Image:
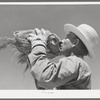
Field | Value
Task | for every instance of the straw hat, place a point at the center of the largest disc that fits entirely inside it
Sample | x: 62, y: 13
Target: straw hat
x: 86, y: 33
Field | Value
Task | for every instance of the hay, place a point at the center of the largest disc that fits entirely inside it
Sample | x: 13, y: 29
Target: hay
x: 23, y: 46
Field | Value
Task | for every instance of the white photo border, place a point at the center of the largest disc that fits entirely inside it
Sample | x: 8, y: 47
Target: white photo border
x: 40, y: 94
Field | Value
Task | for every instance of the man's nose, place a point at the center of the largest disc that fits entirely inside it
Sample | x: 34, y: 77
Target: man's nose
x: 63, y: 40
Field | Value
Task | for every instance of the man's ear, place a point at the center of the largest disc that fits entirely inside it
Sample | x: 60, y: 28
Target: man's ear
x: 75, y: 42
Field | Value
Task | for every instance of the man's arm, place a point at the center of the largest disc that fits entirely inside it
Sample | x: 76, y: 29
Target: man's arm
x: 48, y: 72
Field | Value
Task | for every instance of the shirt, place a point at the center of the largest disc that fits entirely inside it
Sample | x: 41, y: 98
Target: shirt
x: 69, y: 73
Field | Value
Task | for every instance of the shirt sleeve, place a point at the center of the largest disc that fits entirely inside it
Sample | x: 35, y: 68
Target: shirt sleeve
x: 47, y: 72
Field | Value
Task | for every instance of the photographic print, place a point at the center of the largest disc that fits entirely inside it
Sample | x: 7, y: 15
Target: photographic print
x: 49, y: 47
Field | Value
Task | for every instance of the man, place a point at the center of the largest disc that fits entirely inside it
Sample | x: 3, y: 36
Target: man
x: 71, y: 72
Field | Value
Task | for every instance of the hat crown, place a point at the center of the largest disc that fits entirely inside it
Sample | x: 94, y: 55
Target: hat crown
x: 89, y: 33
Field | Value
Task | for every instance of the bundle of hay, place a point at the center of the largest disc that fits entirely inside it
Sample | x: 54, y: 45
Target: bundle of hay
x: 23, y: 45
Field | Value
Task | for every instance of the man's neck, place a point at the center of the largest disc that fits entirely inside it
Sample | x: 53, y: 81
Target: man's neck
x: 82, y: 57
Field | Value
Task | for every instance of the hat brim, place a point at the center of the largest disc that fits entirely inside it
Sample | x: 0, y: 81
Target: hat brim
x: 71, y: 28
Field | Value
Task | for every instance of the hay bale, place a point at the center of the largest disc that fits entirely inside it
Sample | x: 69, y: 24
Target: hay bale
x: 24, y: 46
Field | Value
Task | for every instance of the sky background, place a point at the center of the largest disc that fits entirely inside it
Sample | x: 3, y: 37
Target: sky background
x: 51, y: 17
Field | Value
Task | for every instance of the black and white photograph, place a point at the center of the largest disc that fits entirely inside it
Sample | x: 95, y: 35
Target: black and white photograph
x: 49, y: 47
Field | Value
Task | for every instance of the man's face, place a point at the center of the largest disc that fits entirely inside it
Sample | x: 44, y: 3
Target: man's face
x: 66, y: 44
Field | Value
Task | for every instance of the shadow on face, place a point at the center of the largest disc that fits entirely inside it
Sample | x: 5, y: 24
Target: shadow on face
x: 67, y: 44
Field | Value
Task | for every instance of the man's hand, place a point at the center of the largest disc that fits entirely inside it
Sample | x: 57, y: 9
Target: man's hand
x: 46, y: 38
x: 43, y: 34
x: 39, y: 35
